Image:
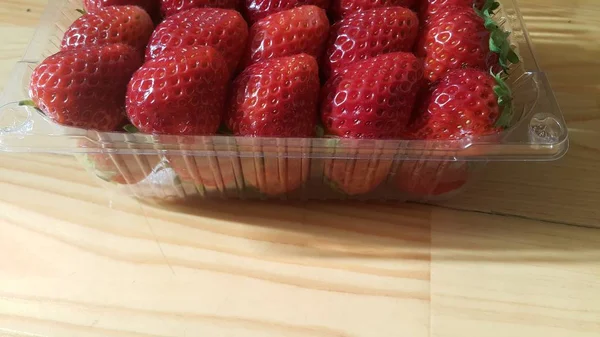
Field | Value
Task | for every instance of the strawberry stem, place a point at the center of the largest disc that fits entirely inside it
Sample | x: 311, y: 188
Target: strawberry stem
x: 81, y: 11
x: 499, y: 42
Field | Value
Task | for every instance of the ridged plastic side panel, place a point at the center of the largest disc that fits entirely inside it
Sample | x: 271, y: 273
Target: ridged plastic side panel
x: 187, y: 176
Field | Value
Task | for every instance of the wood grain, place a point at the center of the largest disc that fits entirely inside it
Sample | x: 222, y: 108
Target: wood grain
x: 80, y: 260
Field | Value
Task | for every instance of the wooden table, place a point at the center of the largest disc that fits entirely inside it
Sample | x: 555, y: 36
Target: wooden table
x: 525, y: 262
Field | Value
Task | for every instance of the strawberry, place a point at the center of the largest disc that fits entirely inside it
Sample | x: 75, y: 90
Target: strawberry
x: 170, y: 7
x: 223, y: 29
x: 208, y: 173
x: 429, y: 8
x: 370, y: 33
x: 299, y: 30
x: 123, y: 169
x: 181, y: 92
x: 276, y: 98
x: 422, y: 179
x: 85, y: 87
x: 258, y: 9
x: 459, y: 37
x: 129, y: 25
x: 275, y: 175
x: 152, y: 7
x: 373, y: 98
x: 465, y: 103
x: 341, y: 8
x: 356, y: 176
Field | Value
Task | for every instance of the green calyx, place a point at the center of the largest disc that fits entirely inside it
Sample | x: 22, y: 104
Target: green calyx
x: 499, y: 42
x: 504, y: 101
x: 31, y: 104
x: 81, y: 11
x: 130, y: 128
x: 27, y: 102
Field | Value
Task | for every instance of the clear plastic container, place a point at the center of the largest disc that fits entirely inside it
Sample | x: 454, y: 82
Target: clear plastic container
x: 178, y: 168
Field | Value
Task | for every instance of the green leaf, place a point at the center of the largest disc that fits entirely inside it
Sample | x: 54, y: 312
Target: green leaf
x: 130, y: 128
x: 479, y: 12
x: 499, y: 91
x: 505, y: 118
x: 504, y: 101
x: 488, y: 4
x: 499, y: 42
x: 498, y: 38
x: 513, y: 57
x: 494, y: 47
x: 490, y: 24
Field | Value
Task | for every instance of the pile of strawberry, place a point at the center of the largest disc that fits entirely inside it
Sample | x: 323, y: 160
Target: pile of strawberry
x: 384, y: 69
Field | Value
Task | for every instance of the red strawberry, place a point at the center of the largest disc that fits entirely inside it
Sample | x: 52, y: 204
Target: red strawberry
x: 276, y: 98
x: 258, y: 9
x: 223, y: 29
x: 373, y: 98
x: 429, y: 8
x: 458, y: 37
x: 465, y: 103
x: 423, y: 179
x: 85, y: 87
x: 370, y: 33
x: 181, y: 92
x: 121, y: 169
x: 170, y: 7
x: 209, y: 174
x: 150, y: 6
x: 129, y: 25
x: 275, y: 175
x: 357, y: 176
x: 341, y: 8
x: 302, y: 29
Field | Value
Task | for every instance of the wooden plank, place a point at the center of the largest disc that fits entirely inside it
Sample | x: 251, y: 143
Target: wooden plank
x: 89, y: 263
